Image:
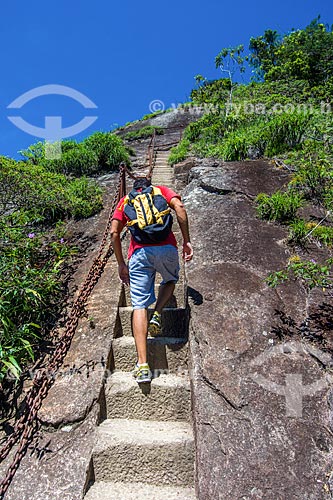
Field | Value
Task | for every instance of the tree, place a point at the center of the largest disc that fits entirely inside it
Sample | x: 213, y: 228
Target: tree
x: 263, y: 52
x: 300, y: 55
x: 229, y: 60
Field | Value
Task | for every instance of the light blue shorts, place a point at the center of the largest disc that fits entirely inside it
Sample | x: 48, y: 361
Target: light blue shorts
x: 143, y: 265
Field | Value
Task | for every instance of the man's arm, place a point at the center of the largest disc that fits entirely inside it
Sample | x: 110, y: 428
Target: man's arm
x: 116, y: 229
x: 182, y: 219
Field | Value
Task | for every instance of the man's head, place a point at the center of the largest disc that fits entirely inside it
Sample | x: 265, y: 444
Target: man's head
x: 141, y: 183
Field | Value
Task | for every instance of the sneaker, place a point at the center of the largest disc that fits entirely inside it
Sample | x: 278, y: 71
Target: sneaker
x: 142, y: 373
x: 154, y: 327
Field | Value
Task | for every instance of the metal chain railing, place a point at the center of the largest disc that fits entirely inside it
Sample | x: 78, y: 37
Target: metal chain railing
x: 25, y: 426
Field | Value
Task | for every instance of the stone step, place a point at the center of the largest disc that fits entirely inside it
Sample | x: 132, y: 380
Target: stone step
x: 165, y: 355
x: 105, y: 490
x: 162, y: 170
x: 162, y: 180
x: 163, y: 175
x: 174, y: 321
x: 168, y: 397
x: 160, y: 453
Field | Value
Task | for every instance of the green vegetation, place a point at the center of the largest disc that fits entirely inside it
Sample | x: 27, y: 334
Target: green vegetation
x: 144, y: 133
x: 152, y: 115
x: 300, y: 55
x: 31, y: 268
x: 280, y: 206
x: 288, y: 104
x: 100, y: 152
x: 35, y: 254
x: 300, y: 230
x: 285, y: 112
x: 310, y: 272
x: 258, y: 124
x: 179, y: 153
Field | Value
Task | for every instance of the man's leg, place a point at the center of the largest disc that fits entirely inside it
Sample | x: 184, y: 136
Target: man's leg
x: 167, y: 264
x: 164, y: 294
x: 140, y: 329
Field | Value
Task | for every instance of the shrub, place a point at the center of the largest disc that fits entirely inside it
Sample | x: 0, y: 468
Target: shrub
x: 30, y: 287
x: 279, y: 206
x: 85, y: 198
x: 108, y: 148
x: 328, y: 200
x: 45, y: 196
x: 144, y: 133
x: 285, y: 131
x: 298, y: 231
x: 314, y: 179
x: 99, y: 152
x: 210, y: 126
x: 32, y: 261
x: 76, y: 159
x: 214, y: 91
x: 152, y: 115
x: 323, y: 234
x: 180, y: 152
x: 311, y: 273
x: 239, y: 136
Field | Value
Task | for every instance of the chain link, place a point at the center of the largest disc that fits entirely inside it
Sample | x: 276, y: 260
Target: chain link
x: 44, y: 378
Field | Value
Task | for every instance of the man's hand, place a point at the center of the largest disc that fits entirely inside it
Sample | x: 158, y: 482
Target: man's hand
x: 187, y: 251
x: 123, y: 274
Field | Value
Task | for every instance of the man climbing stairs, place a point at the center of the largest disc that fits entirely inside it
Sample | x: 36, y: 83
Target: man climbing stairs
x: 145, y: 444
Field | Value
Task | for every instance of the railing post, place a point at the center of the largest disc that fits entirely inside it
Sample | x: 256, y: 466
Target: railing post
x: 122, y: 187
x: 151, y: 153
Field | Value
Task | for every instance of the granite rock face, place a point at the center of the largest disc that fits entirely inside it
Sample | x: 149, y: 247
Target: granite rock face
x: 260, y: 393
x: 57, y: 464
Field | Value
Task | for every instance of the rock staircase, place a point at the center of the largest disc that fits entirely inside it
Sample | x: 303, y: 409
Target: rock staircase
x: 145, y: 445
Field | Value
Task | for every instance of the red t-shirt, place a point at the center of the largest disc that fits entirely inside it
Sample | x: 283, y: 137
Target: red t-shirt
x: 120, y: 215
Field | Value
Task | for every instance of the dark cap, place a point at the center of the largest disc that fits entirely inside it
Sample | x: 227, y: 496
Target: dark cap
x: 142, y: 182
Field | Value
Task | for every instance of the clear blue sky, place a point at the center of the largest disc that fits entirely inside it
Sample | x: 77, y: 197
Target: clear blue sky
x: 123, y: 55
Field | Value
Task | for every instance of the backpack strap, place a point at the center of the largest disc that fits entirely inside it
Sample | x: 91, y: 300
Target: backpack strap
x: 158, y: 221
